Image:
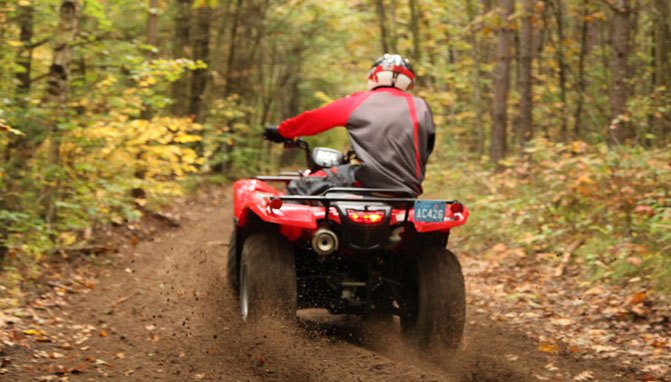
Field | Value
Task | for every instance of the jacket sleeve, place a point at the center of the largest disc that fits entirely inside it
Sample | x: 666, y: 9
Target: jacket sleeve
x: 319, y: 120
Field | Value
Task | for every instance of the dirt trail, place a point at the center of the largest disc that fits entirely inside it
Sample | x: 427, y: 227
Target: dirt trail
x: 162, y: 312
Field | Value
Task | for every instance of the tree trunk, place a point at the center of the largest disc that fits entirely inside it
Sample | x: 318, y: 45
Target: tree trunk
x: 152, y: 27
x: 525, y: 127
x: 497, y: 149
x: 181, y: 48
x: 577, y: 117
x: 558, y: 8
x: 393, y: 44
x: 201, y: 51
x: 58, y: 86
x: 662, y: 75
x: 382, y: 20
x: 414, y: 28
x: 152, y: 39
x: 215, y: 86
x: 477, y: 82
x: 25, y: 57
x: 231, y: 75
x: 620, y: 71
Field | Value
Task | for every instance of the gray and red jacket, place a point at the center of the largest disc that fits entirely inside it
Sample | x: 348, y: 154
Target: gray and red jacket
x: 391, y: 131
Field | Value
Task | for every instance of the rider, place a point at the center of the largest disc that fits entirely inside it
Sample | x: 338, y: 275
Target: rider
x: 391, y: 132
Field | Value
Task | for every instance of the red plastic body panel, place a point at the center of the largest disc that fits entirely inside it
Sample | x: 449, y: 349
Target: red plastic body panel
x: 251, y: 196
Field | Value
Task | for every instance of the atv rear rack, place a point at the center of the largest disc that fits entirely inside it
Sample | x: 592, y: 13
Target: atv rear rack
x: 277, y: 178
x: 326, y: 200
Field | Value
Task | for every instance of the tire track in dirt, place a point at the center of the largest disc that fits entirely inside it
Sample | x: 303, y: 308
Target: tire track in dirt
x: 168, y: 315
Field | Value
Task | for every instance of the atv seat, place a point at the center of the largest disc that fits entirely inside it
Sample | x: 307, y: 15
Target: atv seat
x: 376, y: 192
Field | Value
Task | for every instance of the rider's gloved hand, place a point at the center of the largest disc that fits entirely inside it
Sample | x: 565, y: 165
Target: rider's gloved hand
x: 272, y: 134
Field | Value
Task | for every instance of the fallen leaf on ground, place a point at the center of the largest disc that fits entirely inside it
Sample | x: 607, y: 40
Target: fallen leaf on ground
x: 636, y: 298
x: 584, y: 376
x: 102, y: 362
x: 634, y: 260
x: 550, y: 366
x: 549, y: 347
x: 602, y: 349
x: 562, y: 321
x: 512, y: 357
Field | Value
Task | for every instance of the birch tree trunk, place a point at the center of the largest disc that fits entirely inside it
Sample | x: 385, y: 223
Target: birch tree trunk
x: 58, y: 86
x: 497, y: 148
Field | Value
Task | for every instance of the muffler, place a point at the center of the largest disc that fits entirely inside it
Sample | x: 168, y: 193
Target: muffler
x: 324, y: 242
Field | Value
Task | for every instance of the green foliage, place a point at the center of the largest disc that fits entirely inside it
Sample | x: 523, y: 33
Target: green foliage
x: 609, y: 208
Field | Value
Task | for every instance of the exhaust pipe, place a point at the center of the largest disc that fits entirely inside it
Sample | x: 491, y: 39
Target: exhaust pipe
x: 324, y: 242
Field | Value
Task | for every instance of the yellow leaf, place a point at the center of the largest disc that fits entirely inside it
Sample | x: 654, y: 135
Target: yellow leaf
x: 30, y: 332
x: 186, y: 138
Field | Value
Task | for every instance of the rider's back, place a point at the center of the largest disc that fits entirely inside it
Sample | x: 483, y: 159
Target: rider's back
x: 391, y: 132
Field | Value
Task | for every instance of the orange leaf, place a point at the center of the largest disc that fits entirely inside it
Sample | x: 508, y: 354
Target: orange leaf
x: 549, y: 347
x: 636, y: 298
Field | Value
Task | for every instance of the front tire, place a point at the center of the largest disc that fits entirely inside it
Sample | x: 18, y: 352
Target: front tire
x: 434, y: 300
x: 267, y: 277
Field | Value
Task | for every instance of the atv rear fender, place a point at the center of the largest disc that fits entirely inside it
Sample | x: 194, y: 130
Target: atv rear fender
x: 253, y: 196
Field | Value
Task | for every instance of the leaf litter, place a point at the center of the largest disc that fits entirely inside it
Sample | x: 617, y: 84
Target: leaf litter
x: 569, y: 315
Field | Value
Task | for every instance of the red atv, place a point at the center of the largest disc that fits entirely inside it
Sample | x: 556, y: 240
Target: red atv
x: 371, y: 252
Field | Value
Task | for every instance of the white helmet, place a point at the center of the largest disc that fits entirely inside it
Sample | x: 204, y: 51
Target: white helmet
x: 391, y: 70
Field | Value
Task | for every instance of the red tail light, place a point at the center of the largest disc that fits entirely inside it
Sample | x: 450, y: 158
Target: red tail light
x: 457, y: 208
x: 275, y: 203
x: 365, y: 217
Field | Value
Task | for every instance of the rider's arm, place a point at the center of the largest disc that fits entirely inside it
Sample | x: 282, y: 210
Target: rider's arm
x: 319, y: 120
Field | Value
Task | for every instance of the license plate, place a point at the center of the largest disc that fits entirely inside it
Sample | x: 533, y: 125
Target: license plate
x: 429, y: 211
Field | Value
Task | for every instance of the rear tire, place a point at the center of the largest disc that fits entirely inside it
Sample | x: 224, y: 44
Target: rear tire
x: 232, y: 268
x: 434, y: 300
x: 267, y: 277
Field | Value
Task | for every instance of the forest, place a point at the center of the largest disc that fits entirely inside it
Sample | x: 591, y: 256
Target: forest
x: 123, y: 124
x: 553, y: 116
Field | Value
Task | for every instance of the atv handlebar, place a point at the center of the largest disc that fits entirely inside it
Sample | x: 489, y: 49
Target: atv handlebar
x: 297, y: 144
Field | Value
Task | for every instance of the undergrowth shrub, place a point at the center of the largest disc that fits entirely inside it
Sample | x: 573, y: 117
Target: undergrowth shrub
x: 607, y: 207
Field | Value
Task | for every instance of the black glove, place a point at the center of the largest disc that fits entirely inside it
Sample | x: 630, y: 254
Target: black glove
x: 272, y: 134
